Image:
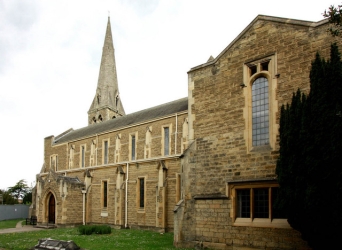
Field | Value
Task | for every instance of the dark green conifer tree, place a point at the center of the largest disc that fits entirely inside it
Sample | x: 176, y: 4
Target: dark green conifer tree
x: 309, y: 167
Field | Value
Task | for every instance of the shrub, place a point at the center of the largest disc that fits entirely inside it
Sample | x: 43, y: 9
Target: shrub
x: 97, y: 229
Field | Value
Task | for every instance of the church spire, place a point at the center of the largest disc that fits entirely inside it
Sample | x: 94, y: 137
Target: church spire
x: 107, y: 103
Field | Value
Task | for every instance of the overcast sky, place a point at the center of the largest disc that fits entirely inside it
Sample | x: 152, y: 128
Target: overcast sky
x: 50, y: 54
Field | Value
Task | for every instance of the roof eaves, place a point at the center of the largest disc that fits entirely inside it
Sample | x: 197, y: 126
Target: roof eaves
x: 131, y: 121
x: 63, y: 134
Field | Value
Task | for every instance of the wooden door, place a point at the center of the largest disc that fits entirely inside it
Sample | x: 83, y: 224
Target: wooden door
x: 52, y: 209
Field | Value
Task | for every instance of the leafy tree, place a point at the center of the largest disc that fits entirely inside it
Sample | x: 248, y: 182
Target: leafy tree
x: 309, y: 165
x: 28, y: 197
x: 8, y: 198
x: 335, y: 18
x: 19, y: 189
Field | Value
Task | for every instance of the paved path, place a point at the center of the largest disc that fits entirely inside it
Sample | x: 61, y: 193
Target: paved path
x: 20, y: 228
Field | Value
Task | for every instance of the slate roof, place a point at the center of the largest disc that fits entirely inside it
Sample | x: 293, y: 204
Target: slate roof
x: 127, y: 120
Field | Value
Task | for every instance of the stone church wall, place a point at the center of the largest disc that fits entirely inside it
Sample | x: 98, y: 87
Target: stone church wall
x: 160, y: 173
x: 223, y: 155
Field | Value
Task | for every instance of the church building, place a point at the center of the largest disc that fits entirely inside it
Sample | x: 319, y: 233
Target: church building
x: 229, y: 178
x: 202, y: 166
x: 122, y: 170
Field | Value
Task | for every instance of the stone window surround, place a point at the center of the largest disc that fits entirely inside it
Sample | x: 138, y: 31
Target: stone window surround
x: 103, y: 150
x: 271, y: 75
x: 54, y: 157
x: 140, y: 209
x: 104, y: 208
x: 117, y: 152
x: 130, y: 145
x: 85, y: 149
x: 148, y: 142
x: 92, y: 157
x: 71, y: 156
x: 232, y: 188
x: 163, y: 138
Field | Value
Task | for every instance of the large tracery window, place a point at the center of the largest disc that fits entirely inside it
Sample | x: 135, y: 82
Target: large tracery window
x: 260, y: 77
x: 260, y: 112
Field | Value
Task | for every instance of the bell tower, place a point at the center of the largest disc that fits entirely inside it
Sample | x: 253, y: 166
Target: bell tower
x: 106, y: 104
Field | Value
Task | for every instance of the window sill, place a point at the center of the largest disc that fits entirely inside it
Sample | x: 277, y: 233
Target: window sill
x: 104, y: 214
x: 262, y: 148
x: 141, y: 210
x: 259, y: 222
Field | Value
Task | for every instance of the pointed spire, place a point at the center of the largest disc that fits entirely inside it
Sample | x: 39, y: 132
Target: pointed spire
x: 106, y: 104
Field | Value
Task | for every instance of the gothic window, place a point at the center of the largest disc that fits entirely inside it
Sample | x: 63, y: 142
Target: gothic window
x: 92, y: 153
x: 166, y: 140
x: 100, y: 118
x: 82, y: 155
x: 117, y: 148
x: 104, y: 194
x: 260, y: 112
x: 148, y: 142
x: 141, y: 193
x: 133, y: 147
x: 105, y: 152
x: 71, y: 156
x: 54, y: 162
x: 260, y: 78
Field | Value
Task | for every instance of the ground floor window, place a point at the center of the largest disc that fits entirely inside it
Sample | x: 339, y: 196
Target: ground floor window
x: 257, y: 203
x: 254, y: 204
x: 141, y: 193
x: 104, y: 194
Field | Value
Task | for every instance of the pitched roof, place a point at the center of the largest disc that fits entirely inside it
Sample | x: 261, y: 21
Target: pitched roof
x: 127, y: 120
x: 287, y: 21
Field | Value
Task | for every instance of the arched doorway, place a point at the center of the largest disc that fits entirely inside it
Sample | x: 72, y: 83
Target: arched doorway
x: 52, y: 209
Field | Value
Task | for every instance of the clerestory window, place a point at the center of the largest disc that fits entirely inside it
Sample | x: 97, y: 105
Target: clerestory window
x: 105, y: 152
x: 166, y: 140
x: 133, y: 147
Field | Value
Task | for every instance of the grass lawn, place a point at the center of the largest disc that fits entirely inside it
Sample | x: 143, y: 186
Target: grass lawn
x: 118, y: 239
x: 9, y: 223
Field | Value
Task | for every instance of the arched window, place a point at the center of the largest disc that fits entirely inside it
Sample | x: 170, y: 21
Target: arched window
x: 260, y: 112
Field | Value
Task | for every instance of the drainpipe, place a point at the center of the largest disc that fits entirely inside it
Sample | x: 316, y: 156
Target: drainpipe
x: 176, y: 134
x: 126, y: 198
x: 84, y: 193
